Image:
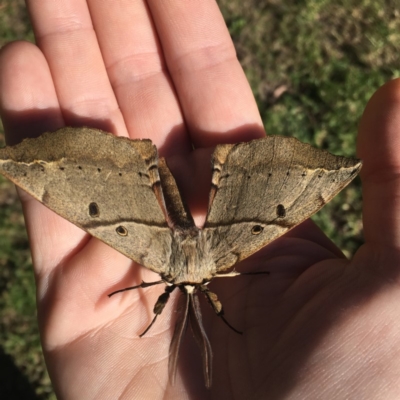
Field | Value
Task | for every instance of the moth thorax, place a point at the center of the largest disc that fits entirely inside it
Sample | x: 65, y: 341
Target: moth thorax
x: 192, y: 261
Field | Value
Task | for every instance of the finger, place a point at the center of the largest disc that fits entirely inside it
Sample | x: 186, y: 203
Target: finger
x: 28, y: 101
x: 64, y: 32
x: 215, y: 96
x: 378, y: 147
x: 28, y: 107
x: 136, y: 69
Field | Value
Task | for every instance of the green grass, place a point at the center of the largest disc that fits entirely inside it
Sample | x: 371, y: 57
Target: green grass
x: 312, y: 64
x: 14, y: 22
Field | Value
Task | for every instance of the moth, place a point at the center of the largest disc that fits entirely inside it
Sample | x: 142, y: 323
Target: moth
x: 260, y: 190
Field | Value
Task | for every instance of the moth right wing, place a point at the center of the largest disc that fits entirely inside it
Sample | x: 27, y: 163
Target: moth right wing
x: 263, y: 188
x: 106, y: 185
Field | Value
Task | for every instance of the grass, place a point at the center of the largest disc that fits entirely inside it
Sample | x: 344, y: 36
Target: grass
x: 312, y: 64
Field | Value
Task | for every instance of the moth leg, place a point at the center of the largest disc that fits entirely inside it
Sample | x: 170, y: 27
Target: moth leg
x: 217, y: 306
x: 159, y: 306
x: 231, y: 274
x: 256, y: 273
x: 142, y: 285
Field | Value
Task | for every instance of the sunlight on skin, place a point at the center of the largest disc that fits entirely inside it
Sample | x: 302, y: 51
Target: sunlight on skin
x: 321, y: 325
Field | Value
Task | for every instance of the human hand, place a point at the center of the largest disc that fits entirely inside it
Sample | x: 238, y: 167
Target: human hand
x: 186, y: 90
x: 118, y: 77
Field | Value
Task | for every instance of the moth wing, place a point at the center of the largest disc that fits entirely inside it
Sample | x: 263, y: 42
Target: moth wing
x: 263, y: 188
x: 108, y: 186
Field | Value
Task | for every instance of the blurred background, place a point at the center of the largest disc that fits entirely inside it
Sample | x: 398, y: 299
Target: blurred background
x: 312, y: 64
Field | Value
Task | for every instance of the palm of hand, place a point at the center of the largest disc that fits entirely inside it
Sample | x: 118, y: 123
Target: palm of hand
x: 308, y: 315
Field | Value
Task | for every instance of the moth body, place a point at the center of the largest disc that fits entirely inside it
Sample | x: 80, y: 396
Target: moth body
x: 191, y: 260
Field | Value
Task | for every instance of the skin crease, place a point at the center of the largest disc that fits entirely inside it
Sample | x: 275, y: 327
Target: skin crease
x: 319, y: 326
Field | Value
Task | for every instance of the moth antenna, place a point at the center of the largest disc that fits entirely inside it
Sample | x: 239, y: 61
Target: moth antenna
x: 159, y: 306
x: 142, y: 285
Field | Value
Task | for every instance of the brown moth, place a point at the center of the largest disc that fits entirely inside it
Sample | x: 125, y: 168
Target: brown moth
x: 260, y: 190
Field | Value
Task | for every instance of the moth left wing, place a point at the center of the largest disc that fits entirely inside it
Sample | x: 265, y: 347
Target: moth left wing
x: 263, y: 188
x: 108, y: 186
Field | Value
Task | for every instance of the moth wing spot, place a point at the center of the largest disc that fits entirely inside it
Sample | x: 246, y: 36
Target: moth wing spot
x: 280, y: 211
x: 153, y: 167
x: 121, y: 230
x: 142, y: 175
x: 94, y: 210
x: 256, y: 229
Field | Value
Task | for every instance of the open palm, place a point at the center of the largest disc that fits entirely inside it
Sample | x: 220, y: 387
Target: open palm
x: 318, y: 327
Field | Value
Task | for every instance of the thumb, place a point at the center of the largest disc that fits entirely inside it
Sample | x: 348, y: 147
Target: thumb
x: 379, y: 148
